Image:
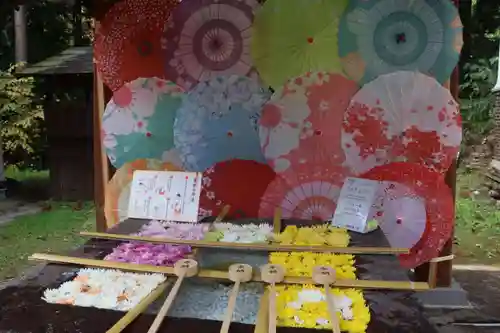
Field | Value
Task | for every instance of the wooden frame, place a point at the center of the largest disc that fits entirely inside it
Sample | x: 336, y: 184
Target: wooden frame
x: 443, y: 270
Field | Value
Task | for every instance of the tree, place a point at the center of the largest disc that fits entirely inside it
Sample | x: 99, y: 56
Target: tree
x: 20, y: 115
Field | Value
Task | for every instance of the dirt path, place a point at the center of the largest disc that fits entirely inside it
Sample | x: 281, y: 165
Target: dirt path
x: 10, y: 209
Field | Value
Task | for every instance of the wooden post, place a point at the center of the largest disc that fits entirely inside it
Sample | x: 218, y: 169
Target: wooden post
x: 101, y: 170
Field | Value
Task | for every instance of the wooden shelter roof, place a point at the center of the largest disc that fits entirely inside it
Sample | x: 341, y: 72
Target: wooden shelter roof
x: 75, y: 60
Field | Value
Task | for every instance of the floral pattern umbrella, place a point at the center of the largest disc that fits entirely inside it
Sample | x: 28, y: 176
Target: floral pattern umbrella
x: 294, y: 37
x: 138, y: 121
x: 118, y: 189
x: 306, y: 191
x: 405, y: 117
x: 218, y: 122
x: 237, y: 183
x: 380, y: 37
x: 439, y: 207
x: 209, y: 38
x: 128, y: 41
x: 303, y: 120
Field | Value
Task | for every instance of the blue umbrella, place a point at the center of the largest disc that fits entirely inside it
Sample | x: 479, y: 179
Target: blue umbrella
x: 218, y: 121
x: 381, y: 37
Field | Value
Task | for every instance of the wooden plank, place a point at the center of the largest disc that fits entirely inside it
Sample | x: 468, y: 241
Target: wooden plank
x: 250, y: 247
x: 101, y: 175
x: 224, y: 275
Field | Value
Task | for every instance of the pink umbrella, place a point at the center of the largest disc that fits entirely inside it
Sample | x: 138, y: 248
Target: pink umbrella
x: 401, y: 214
x: 208, y: 38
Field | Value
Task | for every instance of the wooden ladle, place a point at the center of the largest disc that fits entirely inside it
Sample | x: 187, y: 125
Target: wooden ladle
x: 238, y: 273
x: 182, y: 268
x: 272, y: 274
x: 326, y: 276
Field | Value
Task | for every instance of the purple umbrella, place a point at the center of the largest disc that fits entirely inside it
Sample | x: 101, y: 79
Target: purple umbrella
x: 209, y: 38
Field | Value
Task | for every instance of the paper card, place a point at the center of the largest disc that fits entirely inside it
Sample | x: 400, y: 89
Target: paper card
x: 354, y: 204
x: 165, y: 195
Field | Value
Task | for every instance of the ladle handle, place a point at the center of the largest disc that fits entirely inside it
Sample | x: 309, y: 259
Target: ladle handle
x: 272, y: 309
x: 166, y: 306
x: 331, y: 309
x: 230, y: 308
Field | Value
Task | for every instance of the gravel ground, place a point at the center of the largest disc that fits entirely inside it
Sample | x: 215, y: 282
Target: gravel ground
x: 203, y: 299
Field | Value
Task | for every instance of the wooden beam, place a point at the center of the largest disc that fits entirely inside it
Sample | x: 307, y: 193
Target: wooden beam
x: 101, y: 171
x: 223, y: 275
x: 265, y: 247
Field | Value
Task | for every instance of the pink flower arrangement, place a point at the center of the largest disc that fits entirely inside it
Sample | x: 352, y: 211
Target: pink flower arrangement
x: 158, y: 254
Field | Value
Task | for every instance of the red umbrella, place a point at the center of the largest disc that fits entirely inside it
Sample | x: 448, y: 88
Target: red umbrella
x: 430, y: 186
x: 306, y: 191
x: 402, y: 117
x: 128, y: 43
x: 304, y: 118
x: 238, y: 183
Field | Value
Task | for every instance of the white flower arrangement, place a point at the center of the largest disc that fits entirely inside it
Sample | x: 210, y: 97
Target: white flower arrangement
x: 104, y: 289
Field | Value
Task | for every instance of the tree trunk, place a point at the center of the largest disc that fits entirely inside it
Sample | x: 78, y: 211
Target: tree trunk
x: 496, y: 117
x: 496, y: 130
x: 20, y: 34
x: 2, y: 173
x: 465, y: 9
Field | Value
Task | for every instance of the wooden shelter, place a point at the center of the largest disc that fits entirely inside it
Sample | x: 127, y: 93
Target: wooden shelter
x: 68, y: 120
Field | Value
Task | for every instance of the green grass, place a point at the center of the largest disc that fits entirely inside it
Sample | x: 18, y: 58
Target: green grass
x: 477, y: 231
x: 55, y: 230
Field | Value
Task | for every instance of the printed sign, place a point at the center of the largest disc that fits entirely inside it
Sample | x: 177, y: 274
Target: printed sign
x: 165, y: 195
x: 354, y: 204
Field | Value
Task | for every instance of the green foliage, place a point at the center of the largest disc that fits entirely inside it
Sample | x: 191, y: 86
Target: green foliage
x: 20, y: 115
x: 477, y: 101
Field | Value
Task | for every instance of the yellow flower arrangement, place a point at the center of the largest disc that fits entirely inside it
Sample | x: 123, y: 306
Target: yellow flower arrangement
x: 302, y: 263
x: 316, y: 235
x: 305, y: 306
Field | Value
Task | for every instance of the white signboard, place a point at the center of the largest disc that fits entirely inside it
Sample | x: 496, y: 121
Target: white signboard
x: 354, y: 204
x: 165, y: 195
